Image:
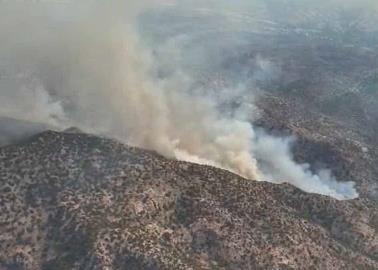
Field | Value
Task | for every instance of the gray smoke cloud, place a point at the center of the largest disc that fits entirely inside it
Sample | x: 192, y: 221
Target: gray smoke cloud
x: 107, y: 68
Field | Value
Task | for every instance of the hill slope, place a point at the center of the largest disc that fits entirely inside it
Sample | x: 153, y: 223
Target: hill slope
x: 76, y: 201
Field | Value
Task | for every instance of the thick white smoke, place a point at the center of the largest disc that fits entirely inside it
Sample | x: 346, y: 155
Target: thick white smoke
x: 87, y: 65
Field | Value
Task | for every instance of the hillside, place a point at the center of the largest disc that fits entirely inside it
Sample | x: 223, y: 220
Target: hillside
x: 77, y: 201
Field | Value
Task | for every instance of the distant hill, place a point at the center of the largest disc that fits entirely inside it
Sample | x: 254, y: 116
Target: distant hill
x: 13, y: 130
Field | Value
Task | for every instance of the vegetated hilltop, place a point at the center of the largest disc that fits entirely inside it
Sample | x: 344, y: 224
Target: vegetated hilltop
x: 77, y: 201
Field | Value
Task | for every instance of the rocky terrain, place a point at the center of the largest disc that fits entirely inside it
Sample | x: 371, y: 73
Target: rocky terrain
x: 75, y: 201
x: 71, y: 200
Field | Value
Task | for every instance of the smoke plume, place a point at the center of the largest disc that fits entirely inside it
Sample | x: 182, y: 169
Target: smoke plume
x: 101, y: 66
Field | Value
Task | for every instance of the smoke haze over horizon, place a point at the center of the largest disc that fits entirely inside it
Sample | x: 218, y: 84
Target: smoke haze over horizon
x: 110, y: 68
